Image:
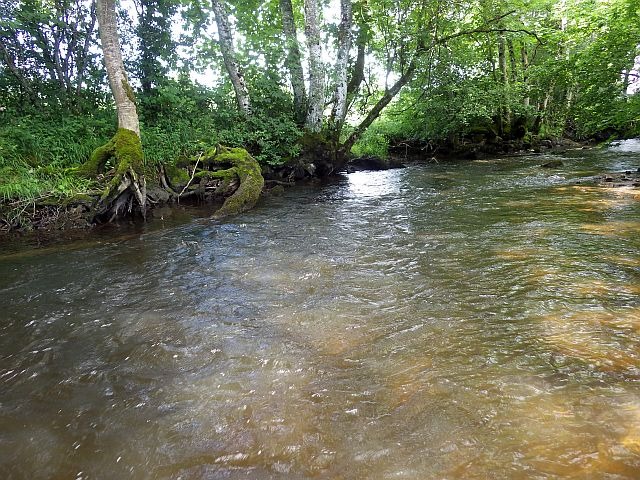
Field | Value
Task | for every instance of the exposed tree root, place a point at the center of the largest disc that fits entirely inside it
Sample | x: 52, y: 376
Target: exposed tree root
x: 218, y: 172
x: 244, y: 168
x: 128, y: 182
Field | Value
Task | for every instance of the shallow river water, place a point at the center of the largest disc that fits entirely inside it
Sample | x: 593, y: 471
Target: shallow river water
x: 473, y: 320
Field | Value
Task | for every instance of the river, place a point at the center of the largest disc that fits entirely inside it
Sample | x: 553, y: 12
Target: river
x: 462, y: 320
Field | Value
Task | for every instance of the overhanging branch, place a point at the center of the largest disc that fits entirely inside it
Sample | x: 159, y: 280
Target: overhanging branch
x: 406, y: 77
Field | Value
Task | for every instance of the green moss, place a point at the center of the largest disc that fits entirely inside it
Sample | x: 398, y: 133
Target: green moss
x: 128, y: 90
x: 226, y: 174
x: 80, y: 198
x: 125, y: 146
x: 313, y: 140
x: 97, y: 161
x: 208, y: 158
x: 51, y: 201
x: 244, y: 164
x: 183, y: 162
x: 248, y: 171
x: 128, y: 151
x: 177, y: 177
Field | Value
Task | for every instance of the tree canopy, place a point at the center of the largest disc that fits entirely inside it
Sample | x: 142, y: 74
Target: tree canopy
x: 275, y: 76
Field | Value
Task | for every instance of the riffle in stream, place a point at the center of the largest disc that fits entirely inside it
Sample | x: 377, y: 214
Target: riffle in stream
x: 466, y: 320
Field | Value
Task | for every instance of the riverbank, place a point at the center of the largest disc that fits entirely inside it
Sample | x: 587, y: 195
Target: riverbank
x: 227, y: 177
x: 196, y: 183
x: 482, y: 146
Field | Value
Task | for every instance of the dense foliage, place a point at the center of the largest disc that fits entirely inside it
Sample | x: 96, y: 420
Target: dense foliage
x: 423, y: 71
x: 556, y: 70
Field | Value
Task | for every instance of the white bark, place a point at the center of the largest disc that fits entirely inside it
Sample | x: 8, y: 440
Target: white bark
x: 293, y: 61
x: 225, y: 37
x: 122, y: 93
x: 339, y: 110
x: 316, y: 72
x: 505, y: 112
x: 125, y: 107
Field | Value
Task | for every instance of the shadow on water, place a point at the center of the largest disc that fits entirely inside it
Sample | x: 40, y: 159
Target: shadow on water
x: 466, y: 320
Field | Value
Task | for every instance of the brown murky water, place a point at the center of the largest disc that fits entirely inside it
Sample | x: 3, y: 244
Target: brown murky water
x: 456, y: 321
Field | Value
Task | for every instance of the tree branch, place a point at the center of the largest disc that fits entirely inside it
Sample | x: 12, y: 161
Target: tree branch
x: 406, y: 77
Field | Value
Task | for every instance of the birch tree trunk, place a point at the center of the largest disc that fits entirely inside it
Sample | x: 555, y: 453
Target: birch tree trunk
x: 128, y: 182
x: 505, y: 113
x: 513, y: 66
x: 525, y: 76
x: 339, y: 110
x: 542, y: 108
x: 122, y: 92
x: 229, y: 56
x: 374, y: 113
x: 358, y: 69
x: 293, y: 61
x: 313, y: 122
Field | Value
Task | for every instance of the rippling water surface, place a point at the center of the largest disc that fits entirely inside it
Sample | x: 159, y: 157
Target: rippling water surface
x: 475, y: 320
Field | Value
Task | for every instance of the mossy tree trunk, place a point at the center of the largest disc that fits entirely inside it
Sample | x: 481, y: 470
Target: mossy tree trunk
x: 128, y: 182
x: 505, y: 112
x: 125, y: 147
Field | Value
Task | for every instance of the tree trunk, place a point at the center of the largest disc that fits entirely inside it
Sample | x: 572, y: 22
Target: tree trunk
x: 513, y: 66
x: 246, y: 169
x: 339, y: 110
x: 389, y: 94
x: 11, y: 65
x: 357, y: 75
x: 525, y: 77
x: 505, y: 114
x: 229, y: 56
x: 626, y: 81
x: 542, y: 110
x: 315, y: 110
x: 568, y: 103
x: 293, y: 61
x: 122, y: 92
x: 126, y: 147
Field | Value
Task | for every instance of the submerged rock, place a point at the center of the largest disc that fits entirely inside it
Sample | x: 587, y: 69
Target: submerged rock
x: 553, y: 164
x: 277, y: 191
x: 627, y: 178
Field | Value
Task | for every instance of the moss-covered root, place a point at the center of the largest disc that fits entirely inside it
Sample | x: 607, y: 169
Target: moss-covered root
x: 248, y: 171
x: 126, y: 148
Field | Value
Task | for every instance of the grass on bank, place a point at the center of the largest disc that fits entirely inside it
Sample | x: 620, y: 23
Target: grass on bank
x: 37, y: 153
x: 21, y: 182
x: 39, y: 149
